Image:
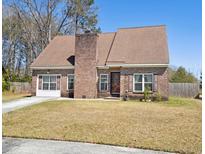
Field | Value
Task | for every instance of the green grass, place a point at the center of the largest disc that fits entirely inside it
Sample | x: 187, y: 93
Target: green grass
x: 173, y: 126
x: 9, y: 96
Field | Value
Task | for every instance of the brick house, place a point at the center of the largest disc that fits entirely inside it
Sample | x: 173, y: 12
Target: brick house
x: 94, y: 65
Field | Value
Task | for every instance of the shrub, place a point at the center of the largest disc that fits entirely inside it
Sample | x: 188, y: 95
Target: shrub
x: 13, y: 89
x: 5, y: 85
x: 125, y: 96
x: 158, y: 97
x: 26, y: 78
x: 146, y: 94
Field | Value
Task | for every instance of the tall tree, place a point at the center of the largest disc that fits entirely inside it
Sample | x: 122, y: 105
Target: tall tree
x: 11, y: 29
x: 37, y: 22
x: 83, y: 15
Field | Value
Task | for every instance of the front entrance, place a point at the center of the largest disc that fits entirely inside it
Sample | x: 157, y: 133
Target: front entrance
x: 115, y: 84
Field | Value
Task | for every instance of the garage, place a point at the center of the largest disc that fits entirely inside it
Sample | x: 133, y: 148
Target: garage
x: 48, y: 85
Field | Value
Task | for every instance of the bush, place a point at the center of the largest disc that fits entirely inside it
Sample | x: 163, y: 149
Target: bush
x: 17, y: 78
x: 125, y: 96
x: 158, y: 97
x: 26, y: 78
x: 13, y: 89
x: 5, y: 85
x: 146, y: 94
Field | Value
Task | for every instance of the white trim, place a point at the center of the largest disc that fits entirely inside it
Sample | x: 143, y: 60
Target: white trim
x: 100, y: 82
x: 138, y: 91
x: 137, y: 65
x: 73, y: 81
x: 58, y: 67
x: 102, y: 67
x: 50, y: 74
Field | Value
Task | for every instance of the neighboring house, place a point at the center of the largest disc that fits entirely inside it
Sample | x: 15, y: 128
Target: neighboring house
x: 94, y: 65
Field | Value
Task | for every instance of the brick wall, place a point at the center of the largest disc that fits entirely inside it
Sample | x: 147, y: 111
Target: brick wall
x: 163, y: 83
x: 107, y: 93
x: 85, y: 66
x: 160, y: 81
x: 126, y: 81
x: 63, y: 79
x: 33, y: 85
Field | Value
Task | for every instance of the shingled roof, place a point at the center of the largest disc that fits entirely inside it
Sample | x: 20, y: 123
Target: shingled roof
x: 140, y: 45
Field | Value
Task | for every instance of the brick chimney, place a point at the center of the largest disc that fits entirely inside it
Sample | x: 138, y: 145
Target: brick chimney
x: 85, y: 66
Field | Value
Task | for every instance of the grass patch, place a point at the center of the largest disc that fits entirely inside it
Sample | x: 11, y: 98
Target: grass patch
x: 171, y: 126
x: 9, y: 96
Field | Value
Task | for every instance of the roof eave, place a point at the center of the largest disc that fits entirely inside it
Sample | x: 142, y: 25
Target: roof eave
x: 51, y: 67
x: 132, y: 65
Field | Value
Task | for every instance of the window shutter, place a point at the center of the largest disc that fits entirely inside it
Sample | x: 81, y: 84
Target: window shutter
x: 58, y: 82
x: 130, y: 81
x: 40, y: 82
x: 155, y: 82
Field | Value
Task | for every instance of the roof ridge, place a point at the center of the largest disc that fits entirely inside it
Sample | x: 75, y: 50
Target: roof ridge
x: 143, y: 26
x: 110, y: 47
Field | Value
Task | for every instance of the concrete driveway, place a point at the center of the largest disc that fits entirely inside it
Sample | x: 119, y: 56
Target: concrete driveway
x: 20, y: 103
x: 34, y: 146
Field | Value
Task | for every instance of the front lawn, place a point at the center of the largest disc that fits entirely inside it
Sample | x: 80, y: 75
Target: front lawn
x: 172, y: 126
x: 9, y: 96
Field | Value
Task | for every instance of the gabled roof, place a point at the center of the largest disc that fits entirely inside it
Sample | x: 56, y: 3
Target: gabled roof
x: 56, y: 53
x: 143, y: 45
x: 140, y: 45
x: 104, y: 44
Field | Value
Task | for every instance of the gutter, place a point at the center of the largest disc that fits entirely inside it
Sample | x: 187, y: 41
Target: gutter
x: 132, y: 65
x: 104, y: 66
x: 50, y: 67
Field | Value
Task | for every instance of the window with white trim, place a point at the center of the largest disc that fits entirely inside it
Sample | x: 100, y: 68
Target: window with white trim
x: 103, y: 82
x: 142, y: 81
x: 70, y: 85
x: 49, y: 82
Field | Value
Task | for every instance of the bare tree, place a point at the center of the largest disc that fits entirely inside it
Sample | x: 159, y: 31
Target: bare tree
x: 37, y: 22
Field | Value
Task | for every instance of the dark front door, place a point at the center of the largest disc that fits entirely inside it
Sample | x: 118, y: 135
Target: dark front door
x: 115, y: 84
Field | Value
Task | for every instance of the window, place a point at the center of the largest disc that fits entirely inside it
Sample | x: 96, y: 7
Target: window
x: 148, y: 81
x: 142, y: 81
x: 138, y: 82
x: 103, y: 82
x: 49, y: 82
x: 70, y: 82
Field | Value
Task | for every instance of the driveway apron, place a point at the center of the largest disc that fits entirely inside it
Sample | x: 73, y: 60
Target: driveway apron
x: 17, y: 104
x: 34, y: 146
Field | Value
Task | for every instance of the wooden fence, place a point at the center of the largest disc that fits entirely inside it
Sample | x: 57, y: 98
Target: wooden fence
x: 184, y: 89
x: 20, y: 87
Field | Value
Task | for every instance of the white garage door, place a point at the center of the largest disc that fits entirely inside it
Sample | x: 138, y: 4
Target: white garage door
x: 48, y: 85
